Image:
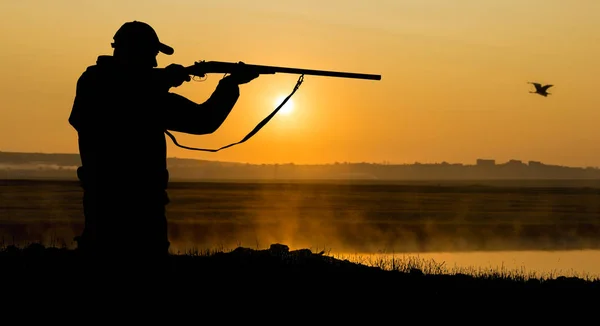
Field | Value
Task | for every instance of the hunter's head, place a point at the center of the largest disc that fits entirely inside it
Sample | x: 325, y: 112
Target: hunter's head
x: 136, y: 44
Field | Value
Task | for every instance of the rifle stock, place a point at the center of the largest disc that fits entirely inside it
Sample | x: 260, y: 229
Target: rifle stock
x: 201, y: 68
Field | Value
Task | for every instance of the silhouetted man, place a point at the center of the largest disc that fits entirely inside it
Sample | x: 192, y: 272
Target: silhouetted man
x: 121, y: 110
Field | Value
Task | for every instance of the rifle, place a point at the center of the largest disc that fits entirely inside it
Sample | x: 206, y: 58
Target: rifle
x: 201, y: 68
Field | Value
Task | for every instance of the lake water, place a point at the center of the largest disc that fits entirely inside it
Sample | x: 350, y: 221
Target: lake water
x: 584, y: 263
x: 548, y: 230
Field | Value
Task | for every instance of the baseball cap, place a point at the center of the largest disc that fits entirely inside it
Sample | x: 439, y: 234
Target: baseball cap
x: 141, y: 35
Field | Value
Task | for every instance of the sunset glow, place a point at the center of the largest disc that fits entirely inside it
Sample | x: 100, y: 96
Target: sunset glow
x: 454, y: 76
x: 288, y: 108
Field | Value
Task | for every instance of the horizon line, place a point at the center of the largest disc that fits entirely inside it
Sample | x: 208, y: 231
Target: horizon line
x: 385, y: 162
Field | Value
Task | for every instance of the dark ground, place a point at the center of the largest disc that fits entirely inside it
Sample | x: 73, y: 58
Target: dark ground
x: 278, y: 269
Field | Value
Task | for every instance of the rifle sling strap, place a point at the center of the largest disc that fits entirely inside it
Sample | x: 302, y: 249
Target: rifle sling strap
x: 254, y: 131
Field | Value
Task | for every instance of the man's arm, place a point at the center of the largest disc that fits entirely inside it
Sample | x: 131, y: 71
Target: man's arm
x: 184, y: 115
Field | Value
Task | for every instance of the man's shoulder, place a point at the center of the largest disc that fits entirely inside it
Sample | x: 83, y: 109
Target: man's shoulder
x: 89, y: 72
x: 95, y: 71
x: 103, y: 62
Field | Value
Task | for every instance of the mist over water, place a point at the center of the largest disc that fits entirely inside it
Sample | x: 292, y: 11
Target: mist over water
x: 472, y: 226
x: 363, y: 218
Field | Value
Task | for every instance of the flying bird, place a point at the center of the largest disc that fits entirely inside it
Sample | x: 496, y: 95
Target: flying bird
x: 542, y: 90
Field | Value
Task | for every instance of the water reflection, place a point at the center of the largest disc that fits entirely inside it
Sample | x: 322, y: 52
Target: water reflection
x: 580, y: 263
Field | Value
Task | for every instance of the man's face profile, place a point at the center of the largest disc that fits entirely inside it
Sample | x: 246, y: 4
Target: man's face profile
x: 138, y: 57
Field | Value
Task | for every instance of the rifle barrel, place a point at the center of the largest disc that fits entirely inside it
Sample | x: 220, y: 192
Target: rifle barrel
x: 227, y: 67
x: 313, y: 72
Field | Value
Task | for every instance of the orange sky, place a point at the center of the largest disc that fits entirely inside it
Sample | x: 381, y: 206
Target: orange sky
x: 454, y: 84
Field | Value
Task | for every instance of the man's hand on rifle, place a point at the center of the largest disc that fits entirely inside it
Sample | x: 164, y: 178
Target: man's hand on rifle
x: 242, y: 75
x: 177, y: 75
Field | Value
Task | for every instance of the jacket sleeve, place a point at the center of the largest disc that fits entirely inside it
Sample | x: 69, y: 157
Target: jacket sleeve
x: 184, y: 115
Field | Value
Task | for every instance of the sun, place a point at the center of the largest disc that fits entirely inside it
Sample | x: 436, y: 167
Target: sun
x: 287, y: 108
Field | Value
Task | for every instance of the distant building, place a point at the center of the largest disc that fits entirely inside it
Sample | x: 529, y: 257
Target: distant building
x: 485, y: 162
x: 535, y: 163
x: 515, y: 162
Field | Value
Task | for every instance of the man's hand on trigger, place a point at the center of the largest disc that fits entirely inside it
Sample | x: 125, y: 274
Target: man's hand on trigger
x: 242, y: 75
x: 177, y: 75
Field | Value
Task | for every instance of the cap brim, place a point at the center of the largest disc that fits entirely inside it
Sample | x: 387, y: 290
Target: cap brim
x: 165, y: 49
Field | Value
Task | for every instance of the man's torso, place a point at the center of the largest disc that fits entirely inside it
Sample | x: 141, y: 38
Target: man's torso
x: 121, y: 134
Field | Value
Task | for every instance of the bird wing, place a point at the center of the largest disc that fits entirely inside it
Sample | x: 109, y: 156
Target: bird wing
x: 546, y: 87
x: 537, y: 85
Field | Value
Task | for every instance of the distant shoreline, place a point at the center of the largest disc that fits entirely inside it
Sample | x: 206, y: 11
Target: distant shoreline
x: 488, y: 172
x: 511, y: 183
